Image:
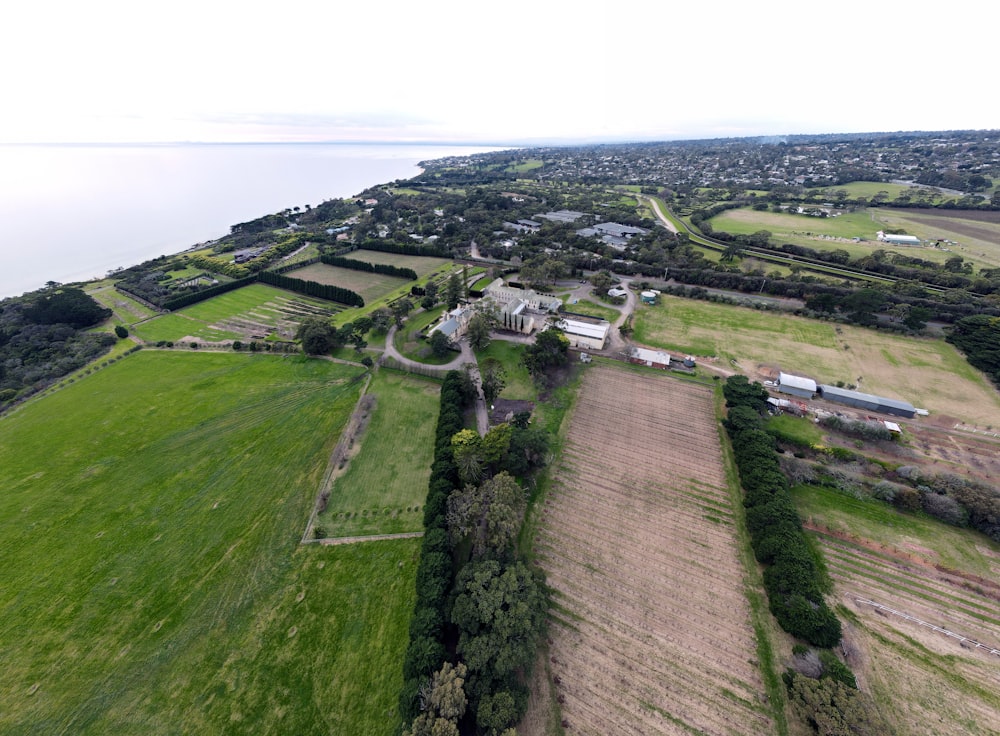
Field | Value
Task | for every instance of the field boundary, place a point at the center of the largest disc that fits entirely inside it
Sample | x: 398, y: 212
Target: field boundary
x: 338, y: 452
x: 934, y: 627
x: 333, y: 541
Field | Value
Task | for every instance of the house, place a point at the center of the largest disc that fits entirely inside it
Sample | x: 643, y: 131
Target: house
x: 651, y: 358
x: 796, y: 385
x: 454, y: 323
x: 503, y: 294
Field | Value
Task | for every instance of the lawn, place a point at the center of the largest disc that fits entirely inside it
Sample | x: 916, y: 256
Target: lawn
x: 411, y: 345
x: 519, y: 383
x: 153, y: 581
x: 253, y: 311
x: 384, y: 484
x: 927, y: 372
x: 593, y: 309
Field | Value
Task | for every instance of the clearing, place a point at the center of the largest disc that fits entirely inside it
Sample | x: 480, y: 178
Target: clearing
x: 651, y: 631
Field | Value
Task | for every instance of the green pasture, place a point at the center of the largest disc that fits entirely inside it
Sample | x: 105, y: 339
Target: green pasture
x: 153, y: 581
x: 801, y: 431
x: 482, y: 283
x: 527, y: 165
x: 783, y: 225
x: 963, y: 549
x: 927, y: 372
x: 384, y: 483
x: 254, y: 309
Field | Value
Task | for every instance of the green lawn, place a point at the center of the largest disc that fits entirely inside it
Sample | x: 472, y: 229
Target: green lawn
x: 593, y: 309
x: 797, y: 430
x: 958, y: 548
x: 519, y: 383
x: 153, y: 581
x: 255, y: 310
x: 411, y: 345
x: 383, y: 487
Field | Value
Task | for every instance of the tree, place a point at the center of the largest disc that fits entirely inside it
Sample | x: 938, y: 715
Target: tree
x: 478, y: 331
x: 67, y: 305
x: 121, y: 331
x: 602, y: 281
x: 381, y: 319
x: 401, y: 308
x: 443, y: 702
x: 316, y: 335
x: 494, y: 378
x: 489, y: 515
x: 467, y: 451
x: 440, y: 344
x: 453, y: 291
x: 550, y: 350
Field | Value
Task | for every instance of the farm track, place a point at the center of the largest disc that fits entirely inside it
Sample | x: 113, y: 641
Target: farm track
x: 651, y: 629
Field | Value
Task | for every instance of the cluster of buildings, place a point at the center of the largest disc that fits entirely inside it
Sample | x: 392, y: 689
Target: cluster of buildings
x: 807, y: 388
x: 525, y: 311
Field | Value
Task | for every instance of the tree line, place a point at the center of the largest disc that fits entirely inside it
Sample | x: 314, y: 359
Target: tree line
x: 382, y: 268
x: 480, y: 610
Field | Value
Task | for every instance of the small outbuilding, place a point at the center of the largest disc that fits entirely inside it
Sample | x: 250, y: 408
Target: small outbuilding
x: 651, y: 358
x: 648, y: 297
x: 796, y: 385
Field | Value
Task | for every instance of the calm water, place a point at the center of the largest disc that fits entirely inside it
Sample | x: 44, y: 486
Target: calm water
x: 70, y: 213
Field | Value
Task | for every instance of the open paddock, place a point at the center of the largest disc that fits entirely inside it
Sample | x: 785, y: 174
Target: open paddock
x: 651, y: 630
x: 370, y: 286
x: 423, y: 265
x: 927, y: 372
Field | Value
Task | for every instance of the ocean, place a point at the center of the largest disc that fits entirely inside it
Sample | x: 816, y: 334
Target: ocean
x: 74, y: 212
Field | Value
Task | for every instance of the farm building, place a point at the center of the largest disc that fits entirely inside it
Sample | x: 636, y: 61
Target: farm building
x: 652, y: 358
x: 893, y: 239
x: 585, y: 332
x: 796, y: 385
x: 867, y: 401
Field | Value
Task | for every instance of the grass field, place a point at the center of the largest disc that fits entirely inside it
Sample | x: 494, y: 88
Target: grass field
x: 519, y: 383
x: 409, y: 343
x: 926, y: 372
x: 383, y: 486
x: 979, y: 241
x: 126, y: 309
x: 255, y: 310
x: 593, y: 309
x: 153, y: 582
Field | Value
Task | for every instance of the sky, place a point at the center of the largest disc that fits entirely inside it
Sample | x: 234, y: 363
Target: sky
x: 517, y: 72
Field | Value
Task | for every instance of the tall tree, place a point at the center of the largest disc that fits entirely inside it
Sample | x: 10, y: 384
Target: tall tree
x: 490, y: 515
x: 494, y: 378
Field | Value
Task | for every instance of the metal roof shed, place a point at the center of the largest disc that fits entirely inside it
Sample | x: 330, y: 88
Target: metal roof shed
x: 796, y: 385
x: 867, y: 401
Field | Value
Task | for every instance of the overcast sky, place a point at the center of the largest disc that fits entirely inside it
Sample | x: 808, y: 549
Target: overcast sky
x: 513, y: 72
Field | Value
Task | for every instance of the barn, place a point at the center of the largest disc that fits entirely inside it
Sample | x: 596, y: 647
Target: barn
x: 869, y: 402
x: 796, y: 385
x: 652, y: 358
x: 584, y: 332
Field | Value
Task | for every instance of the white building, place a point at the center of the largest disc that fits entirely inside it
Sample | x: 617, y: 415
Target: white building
x: 796, y: 385
x: 585, y: 332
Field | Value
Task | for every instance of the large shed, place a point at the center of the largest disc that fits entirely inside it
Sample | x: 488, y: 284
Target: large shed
x: 652, y: 358
x: 585, y: 332
x: 870, y: 402
x: 796, y: 385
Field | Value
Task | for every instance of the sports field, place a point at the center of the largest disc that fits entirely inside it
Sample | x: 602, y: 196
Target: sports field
x: 254, y: 311
x: 153, y: 581
x: 928, y: 373
x: 383, y: 484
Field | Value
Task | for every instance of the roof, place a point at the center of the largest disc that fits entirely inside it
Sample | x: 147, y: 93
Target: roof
x: 787, y: 379
x: 843, y: 393
x: 448, y: 327
x: 576, y: 326
x: 654, y: 356
x: 562, y: 216
x: 615, y: 228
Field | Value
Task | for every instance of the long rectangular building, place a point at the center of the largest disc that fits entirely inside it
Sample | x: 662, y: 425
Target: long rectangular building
x: 867, y: 401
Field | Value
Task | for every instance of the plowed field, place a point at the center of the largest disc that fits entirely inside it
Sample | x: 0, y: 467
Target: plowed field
x: 651, y: 631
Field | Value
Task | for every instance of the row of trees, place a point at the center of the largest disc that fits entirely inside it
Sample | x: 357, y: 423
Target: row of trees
x: 480, y: 610
x: 312, y: 288
x: 382, y: 268
x: 792, y: 577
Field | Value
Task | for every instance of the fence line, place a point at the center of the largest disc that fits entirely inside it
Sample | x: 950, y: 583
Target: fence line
x: 939, y: 629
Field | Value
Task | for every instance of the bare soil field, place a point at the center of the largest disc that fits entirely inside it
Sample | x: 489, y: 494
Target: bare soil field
x: 924, y: 680
x: 651, y: 632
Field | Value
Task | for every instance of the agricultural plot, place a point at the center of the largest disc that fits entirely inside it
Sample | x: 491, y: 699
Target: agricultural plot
x: 382, y: 482
x: 253, y: 312
x: 924, y: 680
x: 838, y: 233
x: 153, y: 581
x: 423, y: 265
x: 976, y: 234
x: 650, y: 630
x: 928, y: 373
x: 371, y: 286
x: 125, y: 308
